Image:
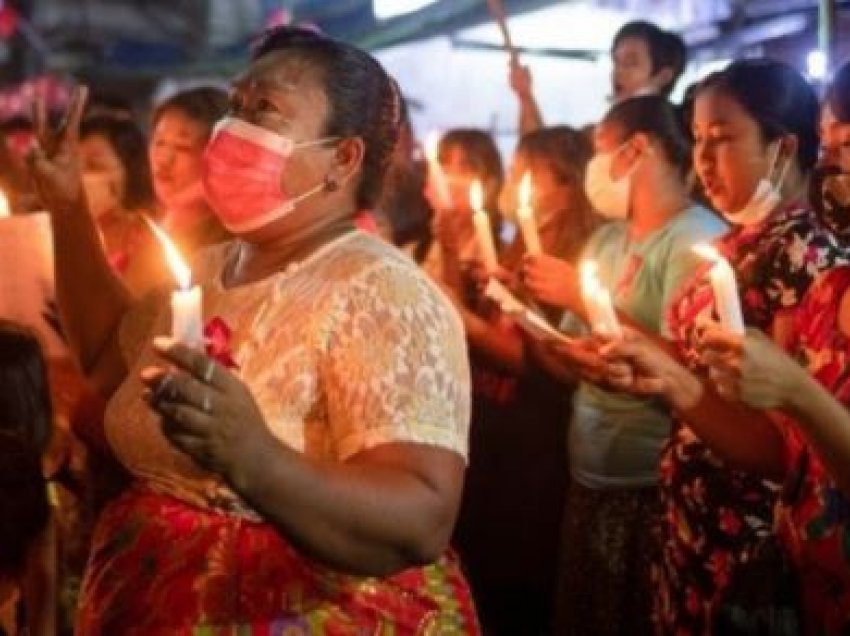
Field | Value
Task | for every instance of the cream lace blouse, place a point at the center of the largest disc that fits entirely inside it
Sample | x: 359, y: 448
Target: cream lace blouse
x: 352, y: 348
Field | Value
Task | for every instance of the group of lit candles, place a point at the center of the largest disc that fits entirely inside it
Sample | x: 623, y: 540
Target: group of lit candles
x: 187, y: 302
x: 596, y: 298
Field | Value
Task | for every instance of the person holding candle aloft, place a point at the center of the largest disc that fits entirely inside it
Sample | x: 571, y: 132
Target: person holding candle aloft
x: 307, y: 477
x: 637, y: 180
x: 755, y: 129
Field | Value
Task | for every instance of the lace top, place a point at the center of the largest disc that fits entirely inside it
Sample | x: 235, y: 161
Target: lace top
x: 352, y: 348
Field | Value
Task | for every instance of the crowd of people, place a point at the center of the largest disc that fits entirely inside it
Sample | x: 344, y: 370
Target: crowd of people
x: 368, y: 441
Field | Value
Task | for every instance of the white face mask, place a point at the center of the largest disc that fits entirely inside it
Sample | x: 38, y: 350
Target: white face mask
x: 766, y: 196
x: 609, y: 196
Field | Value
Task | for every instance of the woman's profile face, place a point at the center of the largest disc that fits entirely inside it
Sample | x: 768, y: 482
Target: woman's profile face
x: 176, y: 154
x: 835, y: 140
x: 460, y: 173
x: 550, y: 194
x: 101, y: 161
x: 730, y: 156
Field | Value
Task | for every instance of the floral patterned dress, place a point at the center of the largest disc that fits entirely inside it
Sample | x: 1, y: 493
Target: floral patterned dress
x: 714, y: 516
x: 813, y: 515
x: 351, y: 349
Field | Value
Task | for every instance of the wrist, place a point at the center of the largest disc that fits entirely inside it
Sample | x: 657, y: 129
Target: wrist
x: 684, y: 391
x: 249, y: 454
x: 801, y: 389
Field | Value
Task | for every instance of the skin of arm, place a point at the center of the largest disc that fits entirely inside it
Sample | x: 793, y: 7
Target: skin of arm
x: 757, y: 372
x: 383, y: 510
x: 92, y: 300
x: 744, y: 436
x: 530, y: 118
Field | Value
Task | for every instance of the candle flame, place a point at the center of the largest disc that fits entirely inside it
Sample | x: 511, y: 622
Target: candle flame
x: 525, y: 191
x: 432, y: 146
x: 476, y: 196
x: 178, y: 266
x: 707, y: 251
x: 4, y: 206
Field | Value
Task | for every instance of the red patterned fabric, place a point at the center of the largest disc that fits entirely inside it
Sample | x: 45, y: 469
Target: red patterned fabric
x: 813, y: 517
x: 163, y: 567
x: 715, y: 517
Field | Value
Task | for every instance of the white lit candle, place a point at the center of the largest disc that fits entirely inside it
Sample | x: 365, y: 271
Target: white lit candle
x: 525, y: 217
x: 597, y: 302
x: 435, y: 171
x: 4, y: 206
x: 725, y: 289
x: 483, y: 231
x: 186, y: 300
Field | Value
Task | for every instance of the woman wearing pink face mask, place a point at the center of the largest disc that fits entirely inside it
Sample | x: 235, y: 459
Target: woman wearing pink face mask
x: 307, y: 476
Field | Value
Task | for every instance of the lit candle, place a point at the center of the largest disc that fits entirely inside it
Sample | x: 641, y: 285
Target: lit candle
x: 435, y: 171
x: 4, y: 206
x: 597, y: 302
x: 483, y: 232
x: 525, y: 216
x: 725, y: 289
x: 186, y: 302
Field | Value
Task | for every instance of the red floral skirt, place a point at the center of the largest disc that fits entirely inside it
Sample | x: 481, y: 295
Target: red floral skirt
x: 161, y: 566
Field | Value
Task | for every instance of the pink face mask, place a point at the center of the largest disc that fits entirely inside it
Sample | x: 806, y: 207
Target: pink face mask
x: 243, y: 164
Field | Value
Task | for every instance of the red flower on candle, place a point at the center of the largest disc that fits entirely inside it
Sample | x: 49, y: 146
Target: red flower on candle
x: 217, y: 336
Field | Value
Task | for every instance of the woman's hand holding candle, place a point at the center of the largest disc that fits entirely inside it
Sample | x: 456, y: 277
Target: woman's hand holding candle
x: 725, y: 289
x: 483, y: 230
x: 551, y: 281
x: 186, y: 301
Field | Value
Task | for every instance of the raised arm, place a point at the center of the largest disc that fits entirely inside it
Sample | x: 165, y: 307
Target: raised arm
x: 530, y: 117
x: 92, y: 300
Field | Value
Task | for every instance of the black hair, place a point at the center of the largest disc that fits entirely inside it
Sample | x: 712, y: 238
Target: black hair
x: 777, y: 97
x: 362, y: 99
x: 666, y: 48
x: 838, y: 94
x: 204, y: 105
x: 483, y: 156
x: 24, y: 509
x: 25, y: 429
x: 25, y: 407
x: 567, y: 152
x: 655, y: 116
x: 129, y: 143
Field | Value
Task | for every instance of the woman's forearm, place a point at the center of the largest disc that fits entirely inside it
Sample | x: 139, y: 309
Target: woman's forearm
x: 386, y: 510
x: 743, y: 436
x: 92, y: 300
x: 826, y: 424
x: 530, y: 117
